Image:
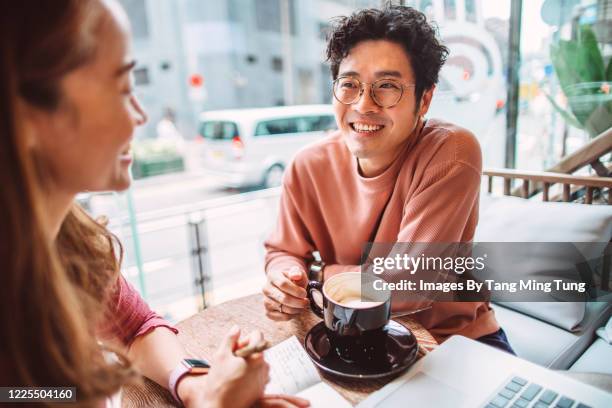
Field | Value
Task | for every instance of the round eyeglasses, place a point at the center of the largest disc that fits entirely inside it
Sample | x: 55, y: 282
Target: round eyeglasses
x: 385, y: 92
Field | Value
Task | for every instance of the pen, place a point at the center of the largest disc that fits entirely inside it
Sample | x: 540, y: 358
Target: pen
x: 251, y: 348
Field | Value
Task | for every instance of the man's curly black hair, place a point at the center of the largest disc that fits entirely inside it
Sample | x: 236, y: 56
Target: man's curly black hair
x: 400, y: 24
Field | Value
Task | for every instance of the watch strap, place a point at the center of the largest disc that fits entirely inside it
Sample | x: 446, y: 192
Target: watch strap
x: 315, y: 269
x: 181, y: 370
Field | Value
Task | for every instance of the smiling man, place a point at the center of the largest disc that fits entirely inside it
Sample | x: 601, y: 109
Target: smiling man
x: 388, y: 174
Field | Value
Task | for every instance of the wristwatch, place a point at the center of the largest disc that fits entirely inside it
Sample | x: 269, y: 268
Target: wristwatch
x: 188, y: 366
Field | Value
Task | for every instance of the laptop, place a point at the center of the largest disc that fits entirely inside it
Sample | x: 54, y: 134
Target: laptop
x: 465, y: 373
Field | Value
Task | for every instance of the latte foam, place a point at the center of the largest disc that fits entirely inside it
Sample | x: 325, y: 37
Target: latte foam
x: 355, y: 302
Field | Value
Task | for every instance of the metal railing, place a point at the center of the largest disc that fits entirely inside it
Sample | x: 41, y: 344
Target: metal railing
x: 198, y: 254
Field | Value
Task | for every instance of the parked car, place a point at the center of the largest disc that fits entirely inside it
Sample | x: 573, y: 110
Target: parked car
x: 247, y: 147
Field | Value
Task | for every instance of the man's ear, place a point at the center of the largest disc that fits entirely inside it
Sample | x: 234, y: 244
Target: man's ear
x: 426, y: 101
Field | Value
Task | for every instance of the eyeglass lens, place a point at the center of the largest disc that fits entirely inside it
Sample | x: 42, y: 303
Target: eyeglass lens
x: 386, y: 92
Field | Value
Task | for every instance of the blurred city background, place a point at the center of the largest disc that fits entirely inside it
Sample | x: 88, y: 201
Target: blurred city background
x: 234, y: 88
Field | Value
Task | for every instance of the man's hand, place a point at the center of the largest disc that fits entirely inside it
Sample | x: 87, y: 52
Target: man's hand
x: 285, y: 293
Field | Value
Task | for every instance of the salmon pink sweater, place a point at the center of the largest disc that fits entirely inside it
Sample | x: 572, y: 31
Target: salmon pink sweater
x: 431, y: 195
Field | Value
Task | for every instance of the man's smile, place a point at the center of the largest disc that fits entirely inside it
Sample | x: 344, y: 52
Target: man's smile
x: 364, y: 127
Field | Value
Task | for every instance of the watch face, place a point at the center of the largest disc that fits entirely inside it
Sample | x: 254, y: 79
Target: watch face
x: 195, y: 363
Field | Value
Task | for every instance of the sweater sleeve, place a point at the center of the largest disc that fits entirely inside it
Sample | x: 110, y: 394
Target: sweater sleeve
x: 444, y: 205
x: 128, y: 315
x: 289, y: 244
x: 444, y: 208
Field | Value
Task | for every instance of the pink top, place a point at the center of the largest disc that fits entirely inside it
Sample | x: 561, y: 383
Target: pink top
x: 432, y: 191
x: 130, y: 316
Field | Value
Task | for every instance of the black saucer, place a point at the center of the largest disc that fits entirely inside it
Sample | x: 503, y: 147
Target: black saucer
x: 402, y: 350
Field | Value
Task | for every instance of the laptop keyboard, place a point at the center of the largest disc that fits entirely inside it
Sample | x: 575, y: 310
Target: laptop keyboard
x: 520, y: 393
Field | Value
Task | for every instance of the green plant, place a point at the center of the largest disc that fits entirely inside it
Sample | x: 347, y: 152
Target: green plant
x: 585, y: 82
x: 154, y: 156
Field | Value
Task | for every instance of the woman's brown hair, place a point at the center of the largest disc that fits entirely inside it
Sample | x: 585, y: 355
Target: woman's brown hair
x: 52, y: 292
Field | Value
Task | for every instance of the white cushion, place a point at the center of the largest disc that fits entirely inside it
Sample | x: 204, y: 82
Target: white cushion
x: 545, y: 344
x: 597, y: 359
x: 605, y: 333
x: 513, y: 219
x: 566, y: 315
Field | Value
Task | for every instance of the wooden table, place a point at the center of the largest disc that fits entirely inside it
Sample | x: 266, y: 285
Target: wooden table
x: 201, y: 333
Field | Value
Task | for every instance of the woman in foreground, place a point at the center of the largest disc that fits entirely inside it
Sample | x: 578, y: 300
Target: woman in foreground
x: 67, y: 117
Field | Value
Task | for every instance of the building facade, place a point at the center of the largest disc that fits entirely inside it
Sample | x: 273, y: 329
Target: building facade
x: 249, y: 53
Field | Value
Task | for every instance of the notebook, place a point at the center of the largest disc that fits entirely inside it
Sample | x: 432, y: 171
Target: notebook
x: 292, y: 373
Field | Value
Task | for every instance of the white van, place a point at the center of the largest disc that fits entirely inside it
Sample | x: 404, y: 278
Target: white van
x: 246, y: 147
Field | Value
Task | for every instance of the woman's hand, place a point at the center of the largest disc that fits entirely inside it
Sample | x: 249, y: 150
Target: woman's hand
x: 231, y: 382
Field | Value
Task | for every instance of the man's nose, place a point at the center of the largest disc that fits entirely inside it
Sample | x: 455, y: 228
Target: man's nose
x: 365, y: 103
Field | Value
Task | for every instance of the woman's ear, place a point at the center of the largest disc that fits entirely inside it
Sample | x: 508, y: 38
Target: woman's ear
x: 31, y: 125
x: 36, y: 124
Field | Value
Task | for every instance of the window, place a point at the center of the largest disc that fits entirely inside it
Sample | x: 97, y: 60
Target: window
x: 302, y: 124
x: 326, y: 83
x: 237, y: 46
x: 277, y: 64
x: 137, y: 13
x: 268, y: 15
x: 233, y: 10
x: 317, y: 123
x: 276, y: 127
x: 563, y: 89
x: 141, y: 76
x: 425, y: 4
x: 218, y: 130
x: 324, y: 29
x: 306, y: 88
x: 450, y: 9
x: 470, y: 10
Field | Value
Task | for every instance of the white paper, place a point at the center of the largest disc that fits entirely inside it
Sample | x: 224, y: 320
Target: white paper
x: 322, y: 395
x: 291, y: 370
